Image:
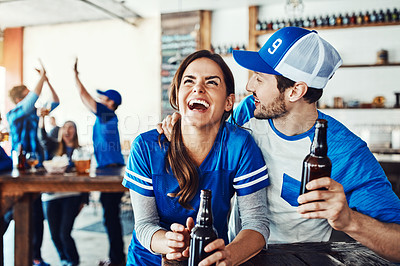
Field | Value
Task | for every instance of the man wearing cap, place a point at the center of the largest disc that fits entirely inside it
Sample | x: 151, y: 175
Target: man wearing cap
x: 290, y: 72
x: 107, y: 151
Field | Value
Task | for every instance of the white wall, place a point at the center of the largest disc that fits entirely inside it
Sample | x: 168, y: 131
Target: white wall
x: 115, y: 55
x: 112, y: 55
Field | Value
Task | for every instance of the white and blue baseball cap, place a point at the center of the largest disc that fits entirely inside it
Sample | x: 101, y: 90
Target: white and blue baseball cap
x: 295, y: 53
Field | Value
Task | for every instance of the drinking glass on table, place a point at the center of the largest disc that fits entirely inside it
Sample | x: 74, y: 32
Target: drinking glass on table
x: 4, y: 136
x: 32, y: 159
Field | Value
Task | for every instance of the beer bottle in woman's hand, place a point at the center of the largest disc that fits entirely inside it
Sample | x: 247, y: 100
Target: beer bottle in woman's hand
x: 203, y: 233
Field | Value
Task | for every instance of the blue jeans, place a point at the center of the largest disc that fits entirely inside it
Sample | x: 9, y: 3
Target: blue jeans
x: 112, y: 222
x: 61, y: 214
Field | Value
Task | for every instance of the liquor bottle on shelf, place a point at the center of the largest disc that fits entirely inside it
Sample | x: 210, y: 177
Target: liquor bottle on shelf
x: 319, y: 21
x: 346, y: 19
x: 317, y: 164
x: 373, y: 17
x: 395, y: 15
x: 367, y: 17
x: 204, y: 232
x: 353, y: 19
x: 264, y: 25
x: 325, y: 21
x: 381, y: 16
x: 332, y: 20
x: 388, y: 16
x: 360, y: 19
x: 269, y: 25
x: 339, y: 20
x: 275, y: 25
x: 313, y: 22
x: 281, y: 24
x: 307, y: 22
x: 258, y: 25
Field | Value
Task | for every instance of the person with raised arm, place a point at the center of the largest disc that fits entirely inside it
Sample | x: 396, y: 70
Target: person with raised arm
x: 107, y: 151
x: 23, y: 122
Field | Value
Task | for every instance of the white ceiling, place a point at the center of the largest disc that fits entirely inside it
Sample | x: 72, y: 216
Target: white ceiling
x: 16, y: 13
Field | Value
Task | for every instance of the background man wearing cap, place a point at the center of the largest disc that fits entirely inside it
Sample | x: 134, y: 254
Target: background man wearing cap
x: 290, y: 71
x: 107, y: 150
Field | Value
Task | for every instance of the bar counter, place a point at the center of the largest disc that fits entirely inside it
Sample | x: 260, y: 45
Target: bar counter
x: 317, y: 254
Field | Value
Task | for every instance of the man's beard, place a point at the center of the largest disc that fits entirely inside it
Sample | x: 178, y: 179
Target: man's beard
x: 275, y: 110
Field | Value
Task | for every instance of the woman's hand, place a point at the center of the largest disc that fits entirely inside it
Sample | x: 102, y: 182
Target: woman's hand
x: 178, y: 240
x: 221, y: 255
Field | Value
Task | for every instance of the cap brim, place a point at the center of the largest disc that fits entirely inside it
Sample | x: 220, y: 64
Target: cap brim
x: 100, y: 92
x: 252, y: 61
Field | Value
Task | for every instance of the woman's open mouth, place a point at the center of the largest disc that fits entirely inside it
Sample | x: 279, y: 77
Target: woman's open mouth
x: 198, y: 104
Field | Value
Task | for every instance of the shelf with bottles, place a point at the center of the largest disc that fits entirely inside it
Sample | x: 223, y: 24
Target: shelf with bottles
x: 226, y: 50
x: 370, y: 65
x: 367, y: 19
x: 182, y: 34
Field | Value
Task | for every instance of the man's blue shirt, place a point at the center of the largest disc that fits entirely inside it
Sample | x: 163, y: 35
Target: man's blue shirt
x: 23, y: 122
x: 106, y: 142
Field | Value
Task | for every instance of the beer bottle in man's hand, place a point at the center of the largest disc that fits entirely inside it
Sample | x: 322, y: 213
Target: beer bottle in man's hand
x: 203, y: 233
x: 317, y: 164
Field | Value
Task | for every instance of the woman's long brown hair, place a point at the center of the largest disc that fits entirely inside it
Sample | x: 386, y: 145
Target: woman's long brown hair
x: 182, y: 166
x: 62, y: 147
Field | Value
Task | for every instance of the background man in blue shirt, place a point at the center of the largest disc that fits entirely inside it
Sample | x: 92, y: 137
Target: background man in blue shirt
x: 107, y: 150
x: 23, y: 122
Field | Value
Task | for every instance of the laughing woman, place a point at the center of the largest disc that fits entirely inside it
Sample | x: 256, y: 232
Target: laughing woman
x: 205, y: 152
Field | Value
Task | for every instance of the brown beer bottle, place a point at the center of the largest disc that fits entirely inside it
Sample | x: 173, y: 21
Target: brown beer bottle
x: 203, y: 233
x: 317, y: 164
x: 21, y: 158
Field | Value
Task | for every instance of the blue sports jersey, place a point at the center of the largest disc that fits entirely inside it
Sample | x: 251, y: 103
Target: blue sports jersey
x: 23, y: 122
x: 366, y: 187
x: 239, y: 168
x: 106, y: 142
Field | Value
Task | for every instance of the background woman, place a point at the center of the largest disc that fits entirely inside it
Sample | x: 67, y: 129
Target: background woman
x: 165, y: 178
x: 61, y: 209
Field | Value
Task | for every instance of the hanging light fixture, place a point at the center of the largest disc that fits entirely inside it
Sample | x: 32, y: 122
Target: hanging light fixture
x: 294, y: 8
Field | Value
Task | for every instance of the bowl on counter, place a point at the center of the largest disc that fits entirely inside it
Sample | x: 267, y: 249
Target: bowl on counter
x: 55, y: 167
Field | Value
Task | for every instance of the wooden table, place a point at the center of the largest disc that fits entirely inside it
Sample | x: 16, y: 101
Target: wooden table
x: 317, y: 254
x: 19, y: 189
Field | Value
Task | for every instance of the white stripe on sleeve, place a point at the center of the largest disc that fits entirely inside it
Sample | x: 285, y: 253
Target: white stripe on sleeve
x: 262, y: 178
x: 239, y: 178
x: 137, y: 183
x: 145, y: 179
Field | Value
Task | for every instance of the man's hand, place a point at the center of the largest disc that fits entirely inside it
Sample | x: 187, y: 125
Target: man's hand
x: 330, y: 204
x: 179, y: 240
x: 221, y: 255
x: 167, y: 124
